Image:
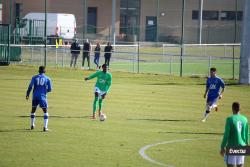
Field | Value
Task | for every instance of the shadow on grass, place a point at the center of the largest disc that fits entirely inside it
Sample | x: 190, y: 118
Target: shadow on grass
x: 18, y: 130
x: 55, y: 116
x: 195, y: 133
x: 167, y: 120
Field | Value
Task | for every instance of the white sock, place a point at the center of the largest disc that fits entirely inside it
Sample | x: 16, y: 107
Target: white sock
x: 46, y: 119
x: 32, y: 118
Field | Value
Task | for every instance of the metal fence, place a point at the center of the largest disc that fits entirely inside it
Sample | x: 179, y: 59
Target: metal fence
x: 5, y: 47
x: 146, y: 58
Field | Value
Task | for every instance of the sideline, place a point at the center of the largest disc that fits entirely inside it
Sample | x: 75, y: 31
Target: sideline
x: 146, y: 157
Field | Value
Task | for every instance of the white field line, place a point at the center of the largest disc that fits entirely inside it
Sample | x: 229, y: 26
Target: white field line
x: 146, y: 157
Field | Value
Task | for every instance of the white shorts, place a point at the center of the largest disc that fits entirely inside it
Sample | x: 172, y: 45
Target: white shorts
x: 234, y: 159
x: 100, y: 93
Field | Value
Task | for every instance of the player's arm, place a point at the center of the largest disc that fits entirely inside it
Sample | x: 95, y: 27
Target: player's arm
x: 207, y: 86
x: 29, y: 88
x: 221, y: 92
x: 247, y: 134
x: 225, y: 137
x: 49, y: 86
x: 222, y: 88
x: 91, y: 76
x: 205, y: 94
x: 109, y: 83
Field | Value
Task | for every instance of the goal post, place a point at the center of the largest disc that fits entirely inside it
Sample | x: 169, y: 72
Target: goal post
x: 245, y: 50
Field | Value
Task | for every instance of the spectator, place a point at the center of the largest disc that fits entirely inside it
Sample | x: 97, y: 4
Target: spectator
x: 107, y: 55
x: 75, y: 51
x: 97, y: 55
x: 86, y: 53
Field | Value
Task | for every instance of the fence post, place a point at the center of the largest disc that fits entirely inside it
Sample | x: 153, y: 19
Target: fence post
x: 209, y: 65
x: 56, y: 56
x: 41, y: 60
x: 9, y: 33
x: 138, y: 57
x: 63, y: 57
x: 233, y: 62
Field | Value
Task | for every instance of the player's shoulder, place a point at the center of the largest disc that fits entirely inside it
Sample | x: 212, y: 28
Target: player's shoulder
x: 219, y: 78
x: 46, y: 77
x: 244, y: 118
x: 35, y: 76
x: 109, y: 74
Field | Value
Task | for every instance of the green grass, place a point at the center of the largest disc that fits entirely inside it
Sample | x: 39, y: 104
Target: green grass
x: 141, y: 109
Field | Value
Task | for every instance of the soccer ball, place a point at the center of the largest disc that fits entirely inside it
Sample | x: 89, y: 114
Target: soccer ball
x: 103, y: 117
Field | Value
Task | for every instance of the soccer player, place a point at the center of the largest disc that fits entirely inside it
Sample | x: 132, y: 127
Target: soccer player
x: 214, y: 89
x: 235, y: 135
x: 102, y: 86
x: 41, y: 85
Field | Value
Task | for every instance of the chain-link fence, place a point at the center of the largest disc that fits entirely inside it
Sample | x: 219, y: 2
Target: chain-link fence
x: 144, y: 58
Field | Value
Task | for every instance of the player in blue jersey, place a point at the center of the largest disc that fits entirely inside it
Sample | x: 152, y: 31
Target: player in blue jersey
x: 214, y: 89
x: 41, y: 85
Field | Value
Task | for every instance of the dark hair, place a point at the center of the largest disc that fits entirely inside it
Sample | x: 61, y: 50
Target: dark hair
x: 104, y: 66
x: 41, y: 69
x: 213, y: 69
x: 236, y: 106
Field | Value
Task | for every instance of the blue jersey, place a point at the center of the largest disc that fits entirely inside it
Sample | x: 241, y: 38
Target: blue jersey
x: 42, y: 85
x: 213, y: 85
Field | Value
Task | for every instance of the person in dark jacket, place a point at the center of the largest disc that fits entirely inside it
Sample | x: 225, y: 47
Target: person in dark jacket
x: 75, y: 51
x: 107, y: 55
x: 86, y: 53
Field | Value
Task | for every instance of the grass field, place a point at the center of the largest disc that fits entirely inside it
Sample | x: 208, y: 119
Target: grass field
x: 141, y: 109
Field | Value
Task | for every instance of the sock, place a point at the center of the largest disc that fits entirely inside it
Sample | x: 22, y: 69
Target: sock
x: 94, y: 104
x: 32, y: 118
x: 100, y: 105
x: 46, y: 119
x: 206, y: 113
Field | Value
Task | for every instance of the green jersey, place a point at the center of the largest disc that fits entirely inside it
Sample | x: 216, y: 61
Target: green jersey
x: 104, y: 80
x: 236, y: 131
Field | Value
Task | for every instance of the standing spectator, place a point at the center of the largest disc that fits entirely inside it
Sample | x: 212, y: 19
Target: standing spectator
x: 107, y: 55
x: 75, y: 51
x: 97, y: 55
x: 235, y: 135
x: 41, y: 85
x: 86, y: 53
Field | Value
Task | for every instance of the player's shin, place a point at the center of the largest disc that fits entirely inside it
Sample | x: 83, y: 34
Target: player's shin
x: 100, y: 106
x: 46, y: 120
x: 94, y: 106
x: 32, y: 119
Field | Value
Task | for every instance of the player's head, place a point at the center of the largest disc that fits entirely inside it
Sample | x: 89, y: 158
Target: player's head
x: 212, y: 72
x: 104, y: 67
x: 41, y: 69
x: 236, y: 107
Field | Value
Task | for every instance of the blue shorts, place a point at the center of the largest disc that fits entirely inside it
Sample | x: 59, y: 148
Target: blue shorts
x: 212, y: 100
x: 43, y: 103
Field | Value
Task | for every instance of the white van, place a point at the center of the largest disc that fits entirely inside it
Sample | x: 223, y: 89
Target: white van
x: 62, y: 25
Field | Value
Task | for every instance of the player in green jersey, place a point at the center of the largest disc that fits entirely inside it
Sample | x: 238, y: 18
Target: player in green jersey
x: 236, y: 134
x: 103, y: 83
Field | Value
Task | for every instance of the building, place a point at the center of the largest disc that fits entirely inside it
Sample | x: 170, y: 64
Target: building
x: 147, y: 20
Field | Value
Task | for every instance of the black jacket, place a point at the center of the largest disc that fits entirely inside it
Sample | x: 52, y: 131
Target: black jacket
x: 75, y: 48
